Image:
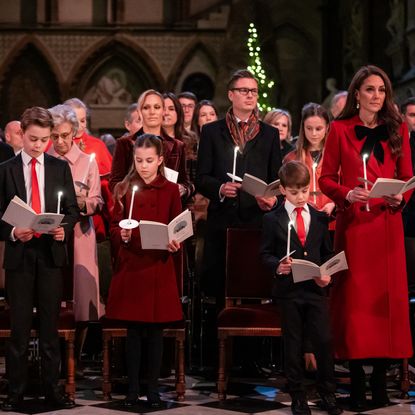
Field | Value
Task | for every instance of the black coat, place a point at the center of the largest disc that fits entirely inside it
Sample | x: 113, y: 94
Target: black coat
x: 58, y: 177
x: 261, y: 157
x: 317, y: 249
x: 6, y: 152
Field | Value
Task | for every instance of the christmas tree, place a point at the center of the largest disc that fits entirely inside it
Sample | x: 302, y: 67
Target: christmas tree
x: 255, y: 66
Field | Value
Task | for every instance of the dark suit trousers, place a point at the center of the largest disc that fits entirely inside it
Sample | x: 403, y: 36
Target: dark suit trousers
x: 307, y: 313
x: 35, y: 283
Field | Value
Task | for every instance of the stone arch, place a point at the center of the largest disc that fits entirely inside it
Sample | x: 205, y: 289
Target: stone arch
x: 195, y: 58
x: 28, y: 81
x: 37, y: 43
x: 120, y: 51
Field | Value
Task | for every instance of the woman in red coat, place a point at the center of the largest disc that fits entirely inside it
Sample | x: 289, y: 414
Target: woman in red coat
x: 370, y: 301
x: 144, y: 289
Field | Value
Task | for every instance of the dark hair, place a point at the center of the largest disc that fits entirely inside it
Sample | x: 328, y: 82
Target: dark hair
x: 195, y: 121
x: 142, y: 141
x: 188, y: 95
x: 309, y: 110
x: 130, y: 110
x: 404, y: 105
x: 36, y: 116
x: 179, y: 129
x: 240, y: 74
x: 294, y: 174
x: 388, y: 114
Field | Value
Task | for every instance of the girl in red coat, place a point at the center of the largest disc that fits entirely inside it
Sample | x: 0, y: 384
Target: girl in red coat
x: 370, y: 301
x: 143, y: 289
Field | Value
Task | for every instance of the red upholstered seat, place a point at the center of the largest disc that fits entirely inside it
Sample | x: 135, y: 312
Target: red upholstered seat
x: 257, y: 315
x: 247, y: 282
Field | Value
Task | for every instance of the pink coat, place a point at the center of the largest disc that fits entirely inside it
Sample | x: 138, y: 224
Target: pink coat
x: 87, y: 303
x: 369, y: 302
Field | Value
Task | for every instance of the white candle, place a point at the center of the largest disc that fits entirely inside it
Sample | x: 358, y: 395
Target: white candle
x: 59, y: 202
x: 135, y: 188
x: 235, y: 153
x: 365, y: 157
x: 290, y: 223
x: 91, y: 157
x: 314, y: 183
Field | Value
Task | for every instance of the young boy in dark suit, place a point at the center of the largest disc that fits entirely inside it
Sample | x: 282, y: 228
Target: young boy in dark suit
x: 304, y: 306
x: 33, y: 262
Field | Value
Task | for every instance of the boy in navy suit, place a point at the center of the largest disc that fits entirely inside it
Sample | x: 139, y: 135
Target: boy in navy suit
x: 304, y: 306
x: 33, y: 262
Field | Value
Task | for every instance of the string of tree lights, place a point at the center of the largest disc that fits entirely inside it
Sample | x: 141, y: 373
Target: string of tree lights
x: 255, y: 66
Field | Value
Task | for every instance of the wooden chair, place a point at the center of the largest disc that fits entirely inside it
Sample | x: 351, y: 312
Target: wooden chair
x: 112, y: 329
x: 246, y: 279
x: 66, y: 327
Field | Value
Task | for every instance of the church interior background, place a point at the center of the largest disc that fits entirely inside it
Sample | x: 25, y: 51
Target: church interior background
x: 108, y: 51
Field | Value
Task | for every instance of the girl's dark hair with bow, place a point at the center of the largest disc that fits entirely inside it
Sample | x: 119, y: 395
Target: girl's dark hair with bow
x: 387, y: 115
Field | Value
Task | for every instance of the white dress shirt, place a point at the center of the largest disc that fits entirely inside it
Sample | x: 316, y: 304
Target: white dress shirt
x: 292, y: 214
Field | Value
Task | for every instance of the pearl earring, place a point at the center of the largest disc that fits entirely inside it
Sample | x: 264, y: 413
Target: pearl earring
x: 357, y: 105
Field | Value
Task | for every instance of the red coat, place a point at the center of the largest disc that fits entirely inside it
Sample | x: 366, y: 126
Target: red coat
x: 369, y: 302
x: 92, y: 144
x: 144, y: 285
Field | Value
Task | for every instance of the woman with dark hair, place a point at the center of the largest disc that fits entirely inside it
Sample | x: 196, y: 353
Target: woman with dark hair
x: 370, y: 300
x: 151, y: 109
x: 205, y: 112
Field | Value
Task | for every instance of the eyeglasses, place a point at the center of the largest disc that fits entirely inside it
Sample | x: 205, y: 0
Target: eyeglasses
x: 188, y: 106
x: 64, y: 136
x: 246, y: 91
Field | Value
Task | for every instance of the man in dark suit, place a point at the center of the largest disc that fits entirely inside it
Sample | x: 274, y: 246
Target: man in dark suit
x: 304, y: 306
x: 6, y: 152
x: 258, y: 155
x: 34, y: 262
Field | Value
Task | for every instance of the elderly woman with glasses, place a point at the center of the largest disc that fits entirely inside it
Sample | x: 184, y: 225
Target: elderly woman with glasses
x: 87, y: 304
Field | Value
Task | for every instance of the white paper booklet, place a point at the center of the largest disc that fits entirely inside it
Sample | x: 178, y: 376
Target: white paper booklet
x: 171, y: 175
x: 386, y: 187
x: 156, y: 235
x: 21, y: 215
x: 306, y: 270
x: 257, y: 187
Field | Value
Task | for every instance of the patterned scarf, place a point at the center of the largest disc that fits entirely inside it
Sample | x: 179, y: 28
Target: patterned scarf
x: 242, y: 134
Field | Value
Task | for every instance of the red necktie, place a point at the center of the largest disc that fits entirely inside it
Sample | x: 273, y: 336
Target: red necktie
x: 300, y: 226
x: 35, y: 188
x: 35, y: 192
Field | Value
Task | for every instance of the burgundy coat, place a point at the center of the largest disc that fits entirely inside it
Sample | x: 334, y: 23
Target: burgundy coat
x: 369, y: 302
x: 144, y: 285
x: 174, y: 158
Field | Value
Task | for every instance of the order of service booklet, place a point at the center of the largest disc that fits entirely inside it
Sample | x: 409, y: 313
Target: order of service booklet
x: 21, y: 215
x: 385, y: 187
x: 171, y: 175
x: 257, y: 187
x: 303, y: 270
x: 156, y: 235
